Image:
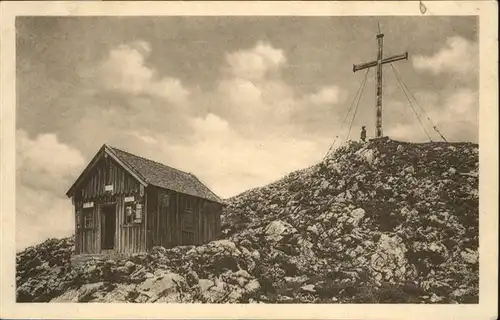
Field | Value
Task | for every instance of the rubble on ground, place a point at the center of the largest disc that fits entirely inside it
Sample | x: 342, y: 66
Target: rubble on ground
x: 382, y: 221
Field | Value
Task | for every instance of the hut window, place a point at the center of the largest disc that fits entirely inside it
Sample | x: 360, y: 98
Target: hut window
x: 87, y: 218
x: 133, y: 213
x: 138, y: 213
x: 165, y: 200
x: 129, y: 216
x: 188, y: 205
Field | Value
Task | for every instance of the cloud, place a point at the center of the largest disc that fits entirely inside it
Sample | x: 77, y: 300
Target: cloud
x: 231, y: 162
x: 256, y: 63
x: 239, y: 136
x: 459, y: 56
x: 45, y: 162
x: 253, y: 96
x: 144, y: 137
x: 241, y: 118
x: 226, y: 160
x: 326, y: 95
x: 240, y: 91
x: 210, y: 125
x: 251, y: 93
x: 263, y: 161
x: 45, y: 168
x: 244, y: 138
x: 462, y: 105
x: 41, y: 215
x: 125, y: 71
x: 455, y: 115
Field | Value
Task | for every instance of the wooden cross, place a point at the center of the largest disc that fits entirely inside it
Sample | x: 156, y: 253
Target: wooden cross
x: 378, y: 63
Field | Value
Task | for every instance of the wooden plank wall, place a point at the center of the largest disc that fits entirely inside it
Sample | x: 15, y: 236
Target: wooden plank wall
x: 151, y: 216
x: 76, y: 215
x: 87, y: 239
x: 199, y: 218
x: 163, y: 225
x: 176, y: 220
x: 206, y: 224
x: 188, y: 218
x: 129, y: 238
x: 107, y: 172
x: 217, y: 207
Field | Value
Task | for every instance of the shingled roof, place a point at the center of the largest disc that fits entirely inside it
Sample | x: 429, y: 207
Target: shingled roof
x: 150, y: 172
x: 166, y: 177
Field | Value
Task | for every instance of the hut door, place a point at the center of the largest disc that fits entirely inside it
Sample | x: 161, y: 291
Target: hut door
x: 165, y: 233
x: 187, y: 222
x: 108, y: 229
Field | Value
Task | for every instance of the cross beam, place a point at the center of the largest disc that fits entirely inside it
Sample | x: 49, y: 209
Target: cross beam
x: 378, y: 63
x: 357, y: 67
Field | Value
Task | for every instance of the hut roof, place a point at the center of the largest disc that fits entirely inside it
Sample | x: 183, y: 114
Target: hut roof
x: 157, y: 174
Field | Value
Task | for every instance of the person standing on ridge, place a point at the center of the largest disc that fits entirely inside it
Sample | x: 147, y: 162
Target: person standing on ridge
x: 363, y: 133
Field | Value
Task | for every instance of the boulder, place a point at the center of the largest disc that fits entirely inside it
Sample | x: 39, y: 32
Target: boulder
x: 252, y: 286
x: 276, y: 230
x: 357, y: 215
x: 388, y: 262
x: 166, y: 285
x: 313, y: 229
x: 470, y: 256
x: 353, y: 228
x: 205, y: 284
x: 308, y: 288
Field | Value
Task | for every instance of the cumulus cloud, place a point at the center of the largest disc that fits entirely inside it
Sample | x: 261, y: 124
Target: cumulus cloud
x: 231, y: 163
x: 125, y: 71
x: 457, y: 56
x: 45, y: 162
x: 461, y: 105
x: 249, y: 138
x: 144, y: 137
x: 241, y: 92
x: 239, y: 127
x: 249, y: 135
x: 326, y: 95
x: 210, y: 125
x: 251, y: 92
x: 256, y: 63
x: 253, y: 95
x: 453, y: 108
x: 45, y: 168
x: 455, y: 115
x: 263, y: 161
x: 226, y: 160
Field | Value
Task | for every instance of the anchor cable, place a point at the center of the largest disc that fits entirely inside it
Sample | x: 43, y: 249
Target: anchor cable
x: 411, y: 104
x: 357, y: 105
x: 418, y: 104
x: 348, y: 111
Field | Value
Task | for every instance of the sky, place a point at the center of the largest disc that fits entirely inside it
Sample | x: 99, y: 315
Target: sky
x: 238, y: 101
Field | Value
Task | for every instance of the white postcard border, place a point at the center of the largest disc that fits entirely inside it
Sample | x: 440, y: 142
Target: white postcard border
x: 488, y: 142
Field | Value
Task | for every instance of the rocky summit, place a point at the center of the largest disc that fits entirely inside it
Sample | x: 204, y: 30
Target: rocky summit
x: 376, y: 222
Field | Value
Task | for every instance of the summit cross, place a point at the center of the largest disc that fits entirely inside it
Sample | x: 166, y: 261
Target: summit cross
x: 378, y: 63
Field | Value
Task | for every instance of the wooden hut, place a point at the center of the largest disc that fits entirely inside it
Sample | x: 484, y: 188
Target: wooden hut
x: 128, y: 204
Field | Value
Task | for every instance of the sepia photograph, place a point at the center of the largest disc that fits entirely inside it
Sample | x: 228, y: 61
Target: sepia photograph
x: 248, y: 159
